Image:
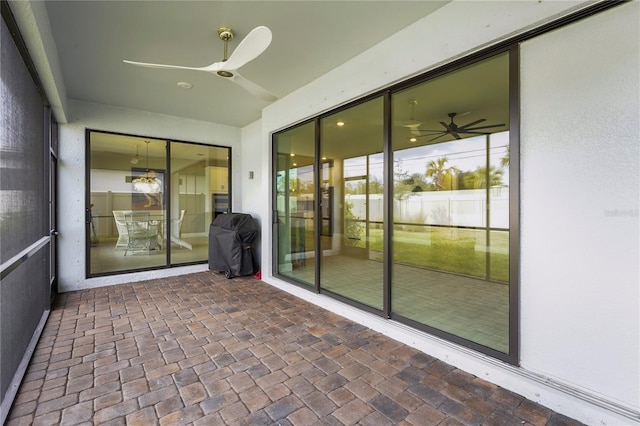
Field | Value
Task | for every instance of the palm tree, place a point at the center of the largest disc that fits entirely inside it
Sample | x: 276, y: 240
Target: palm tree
x: 478, y: 178
x: 436, y: 170
x: 504, y: 161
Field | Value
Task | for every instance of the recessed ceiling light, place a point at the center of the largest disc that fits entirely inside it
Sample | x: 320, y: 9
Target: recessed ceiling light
x: 184, y: 85
x: 340, y: 123
x: 292, y: 154
x: 413, y: 140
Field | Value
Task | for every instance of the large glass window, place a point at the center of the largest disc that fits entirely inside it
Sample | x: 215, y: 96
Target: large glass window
x: 294, y: 156
x: 451, y: 203
x: 199, y: 192
x: 146, y: 212
x: 351, y: 145
x: 416, y: 204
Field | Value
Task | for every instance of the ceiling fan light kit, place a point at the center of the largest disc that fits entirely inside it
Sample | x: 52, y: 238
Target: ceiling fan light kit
x: 252, y: 46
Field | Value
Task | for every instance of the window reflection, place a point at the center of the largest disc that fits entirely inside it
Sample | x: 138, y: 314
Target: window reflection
x: 451, y: 204
x: 121, y: 194
x: 448, y: 195
x: 351, y: 263
x: 199, y: 193
x: 129, y: 196
x: 295, y: 203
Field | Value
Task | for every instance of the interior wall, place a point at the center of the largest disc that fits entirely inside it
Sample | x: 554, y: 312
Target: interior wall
x: 579, y: 201
x: 579, y: 281
x: 84, y: 115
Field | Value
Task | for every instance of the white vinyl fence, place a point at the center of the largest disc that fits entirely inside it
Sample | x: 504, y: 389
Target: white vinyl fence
x: 447, y: 208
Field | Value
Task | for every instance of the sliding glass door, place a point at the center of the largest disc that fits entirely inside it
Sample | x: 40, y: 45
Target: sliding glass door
x: 351, y: 141
x: 415, y: 208
x: 294, y: 165
x: 127, y: 211
x: 200, y: 191
x: 148, y: 209
x: 451, y: 203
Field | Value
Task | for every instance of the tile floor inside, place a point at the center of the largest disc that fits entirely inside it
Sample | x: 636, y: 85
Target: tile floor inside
x: 105, y: 257
x: 475, y: 309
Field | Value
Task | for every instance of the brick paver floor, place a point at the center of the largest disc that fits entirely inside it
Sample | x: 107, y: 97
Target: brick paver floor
x: 200, y: 349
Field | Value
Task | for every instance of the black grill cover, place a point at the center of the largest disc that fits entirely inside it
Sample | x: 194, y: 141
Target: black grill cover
x: 231, y: 238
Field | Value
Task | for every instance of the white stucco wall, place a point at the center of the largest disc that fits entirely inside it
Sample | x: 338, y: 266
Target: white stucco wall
x: 83, y: 115
x: 253, y: 189
x: 580, y: 158
x: 579, y: 272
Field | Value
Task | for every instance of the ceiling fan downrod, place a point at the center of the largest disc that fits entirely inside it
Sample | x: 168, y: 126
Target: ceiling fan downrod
x: 225, y: 34
x: 452, y: 125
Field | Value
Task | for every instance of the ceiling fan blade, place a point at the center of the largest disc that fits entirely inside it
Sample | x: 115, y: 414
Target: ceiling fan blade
x: 425, y: 135
x: 473, y: 123
x: 210, y: 68
x: 253, y: 88
x: 249, y: 48
x: 413, y: 127
x: 486, y: 127
x: 455, y: 134
x: 468, y: 132
x: 412, y: 124
x: 432, y: 130
x: 438, y: 137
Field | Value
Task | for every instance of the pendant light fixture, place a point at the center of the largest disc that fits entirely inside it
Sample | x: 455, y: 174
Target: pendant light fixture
x: 135, y: 159
x: 147, y: 183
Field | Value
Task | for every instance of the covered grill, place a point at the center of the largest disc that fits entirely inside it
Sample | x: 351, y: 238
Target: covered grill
x: 231, y: 238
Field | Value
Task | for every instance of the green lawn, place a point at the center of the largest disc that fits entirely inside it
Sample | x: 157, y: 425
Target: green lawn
x: 459, y: 251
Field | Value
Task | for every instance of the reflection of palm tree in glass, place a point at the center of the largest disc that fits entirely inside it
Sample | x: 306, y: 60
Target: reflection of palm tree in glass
x: 504, y: 161
x: 437, y: 170
x: 478, y: 178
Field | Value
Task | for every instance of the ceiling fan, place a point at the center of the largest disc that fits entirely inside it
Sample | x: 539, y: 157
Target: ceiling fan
x: 412, y: 124
x: 454, y: 130
x: 249, y: 48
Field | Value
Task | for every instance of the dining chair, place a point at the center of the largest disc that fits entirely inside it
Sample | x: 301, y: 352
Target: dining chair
x: 142, y: 232
x: 123, y: 236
